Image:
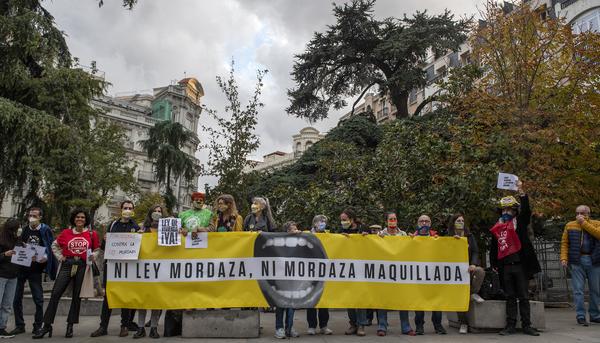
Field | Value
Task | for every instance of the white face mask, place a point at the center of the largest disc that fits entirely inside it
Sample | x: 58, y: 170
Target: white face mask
x: 33, y: 221
x: 19, y: 232
x: 156, y: 215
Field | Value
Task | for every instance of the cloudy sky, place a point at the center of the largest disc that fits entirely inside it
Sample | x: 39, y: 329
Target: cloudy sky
x: 161, y: 41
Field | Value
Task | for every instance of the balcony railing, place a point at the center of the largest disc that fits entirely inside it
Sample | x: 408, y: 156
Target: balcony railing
x: 567, y: 3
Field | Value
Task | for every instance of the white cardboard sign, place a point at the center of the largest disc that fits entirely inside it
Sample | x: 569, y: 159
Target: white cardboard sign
x: 507, y: 181
x: 122, y: 246
x: 200, y: 241
x: 168, y: 232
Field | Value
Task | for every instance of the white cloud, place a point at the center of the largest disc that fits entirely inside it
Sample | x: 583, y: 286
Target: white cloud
x: 157, y: 41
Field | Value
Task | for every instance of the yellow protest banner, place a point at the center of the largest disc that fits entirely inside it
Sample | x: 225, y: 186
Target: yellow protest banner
x: 247, y: 269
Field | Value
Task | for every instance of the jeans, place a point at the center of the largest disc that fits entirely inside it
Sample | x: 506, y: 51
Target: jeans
x: 7, y: 294
x: 357, y: 317
x: 63, y: 279
x: 515, y: 287
x: 436, y: 318
x: 579, y: 272
x: 382, y: 323
x: 289, y: 318
x: 37, y: 293
x: 311, y: 317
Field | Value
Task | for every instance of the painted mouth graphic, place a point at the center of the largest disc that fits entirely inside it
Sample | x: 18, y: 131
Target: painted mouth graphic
x: 290, y: 293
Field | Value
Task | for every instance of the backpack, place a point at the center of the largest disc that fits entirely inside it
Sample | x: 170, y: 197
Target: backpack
x: 491, y: 289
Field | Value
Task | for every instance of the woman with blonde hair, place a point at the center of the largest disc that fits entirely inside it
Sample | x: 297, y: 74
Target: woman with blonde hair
x: 226, y: 217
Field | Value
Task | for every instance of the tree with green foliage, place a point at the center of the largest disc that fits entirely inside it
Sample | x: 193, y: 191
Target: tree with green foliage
x: 360, y: 51
x: 164, y: 145
x: 48, y: 146
x: 233, y: 138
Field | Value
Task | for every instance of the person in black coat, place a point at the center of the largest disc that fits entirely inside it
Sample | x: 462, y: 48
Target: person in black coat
x: 513, y: 255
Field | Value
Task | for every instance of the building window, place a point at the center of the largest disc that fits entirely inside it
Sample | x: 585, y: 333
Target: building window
x: 308, y: 145
x: 298, y: 147
x: 430, y: 73
x: 454, y: 61
x: 412, y: 97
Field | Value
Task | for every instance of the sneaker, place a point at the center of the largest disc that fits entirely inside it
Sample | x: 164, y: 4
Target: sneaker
x: 582, y: 321
x: 18, y: 330
x: 311, y: 331
x: 280, y: 333
x: 509, y: 330
x: 528, y: 330
x: 351, y: 330
x: 476, y: 298
x: 381, y: 333
x: 292, y: 333
x: 464, y: 328
x: 4, y: 334
x: 326, y: 331
x: 440, y: 330
x: 360, y: 331
x: 420, y: 331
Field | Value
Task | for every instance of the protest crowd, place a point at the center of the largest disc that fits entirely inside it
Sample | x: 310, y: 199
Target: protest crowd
x: 29, y: 251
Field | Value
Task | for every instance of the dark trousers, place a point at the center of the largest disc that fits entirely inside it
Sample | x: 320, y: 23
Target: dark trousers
x: 126, y: 314
x: 436, y: 318
x: 515, y: 287
x: 311, y: 317
x: 63, y: 279
x: 37, y: 293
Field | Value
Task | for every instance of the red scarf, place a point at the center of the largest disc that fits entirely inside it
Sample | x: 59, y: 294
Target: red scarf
x: 508, y: 240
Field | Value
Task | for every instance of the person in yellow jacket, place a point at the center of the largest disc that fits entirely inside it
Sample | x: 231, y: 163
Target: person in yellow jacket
x: 226, y: 217
x: 580, y: 251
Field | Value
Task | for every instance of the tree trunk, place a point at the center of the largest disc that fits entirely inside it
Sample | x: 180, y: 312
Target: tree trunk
x: 400, y: 100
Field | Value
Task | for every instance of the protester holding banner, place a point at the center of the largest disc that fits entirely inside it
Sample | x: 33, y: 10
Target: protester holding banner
x: 36, y: 234
x: 458, y: 229
x: 226, y: 217
x: 392, y: 229
x: 424, y: 229
x: 313, y: 315
x: 72, y: 248
x: 8, y: 272
x: 124, y: 223
x: 286, y: 330
x: 512, y: 253
x: 350, y: 224
x: 196, y: 219
x: 261, y: 218
x: 580, y: 251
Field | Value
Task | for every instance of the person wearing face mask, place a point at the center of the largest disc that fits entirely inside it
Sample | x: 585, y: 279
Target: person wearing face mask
x: 34, y: 233
x: 392, y: 229
x: 197, y: 218
x: 350, y: 224
x: 226, y: 217
x: 8, y: 271
x: 424, y: 229
x: 313, y: 315
x: 457, y: 229
x: 513, y: 255
x: 261, y: 218
x: 580, y: 251
x: 124, y: 223
x: 149, y: 225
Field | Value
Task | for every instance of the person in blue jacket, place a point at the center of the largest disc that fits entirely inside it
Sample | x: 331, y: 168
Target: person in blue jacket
x: 34, y: 233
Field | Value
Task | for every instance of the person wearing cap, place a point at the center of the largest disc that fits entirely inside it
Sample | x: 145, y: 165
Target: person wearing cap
x: 513, y: 255
x: 197, y: 218
x: 580, y: 251
x: 125, y: 223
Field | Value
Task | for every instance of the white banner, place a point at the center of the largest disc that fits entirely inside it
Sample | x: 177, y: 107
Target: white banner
x: 122, y: 246
x: 279, y: 268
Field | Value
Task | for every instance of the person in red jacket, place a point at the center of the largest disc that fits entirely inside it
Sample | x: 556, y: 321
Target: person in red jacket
x: 73, y: 247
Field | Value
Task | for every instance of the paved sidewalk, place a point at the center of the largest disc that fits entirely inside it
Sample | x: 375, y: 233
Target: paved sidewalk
x: 561, y: 328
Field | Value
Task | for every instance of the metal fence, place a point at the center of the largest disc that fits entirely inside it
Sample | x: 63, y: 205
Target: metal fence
x: 553, y: 284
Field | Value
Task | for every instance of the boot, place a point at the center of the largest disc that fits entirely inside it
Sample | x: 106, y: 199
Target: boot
x: 69, y: 331
x: 154, y: 333
x: 46, y: 329
x: 141, y: 332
